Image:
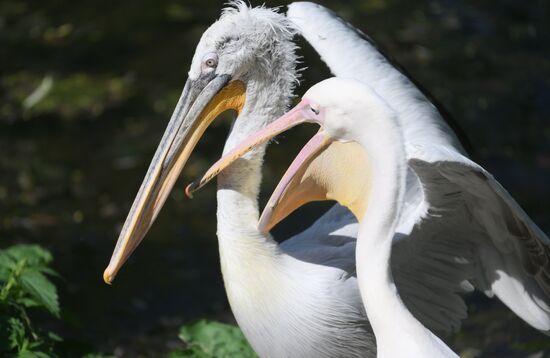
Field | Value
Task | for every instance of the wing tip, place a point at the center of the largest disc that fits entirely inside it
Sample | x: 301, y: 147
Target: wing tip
x: 299, y: 8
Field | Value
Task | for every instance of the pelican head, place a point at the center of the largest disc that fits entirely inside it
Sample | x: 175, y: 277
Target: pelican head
x: 332, y: 165
x: 243, y: 49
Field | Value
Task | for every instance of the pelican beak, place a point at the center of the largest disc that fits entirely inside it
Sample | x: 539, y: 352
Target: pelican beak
x: 323, y: 170
x: 202, y: 100
x: 292, y: 118
x: 299, y: 184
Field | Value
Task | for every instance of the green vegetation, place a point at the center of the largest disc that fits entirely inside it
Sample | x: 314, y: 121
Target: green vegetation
x: 213, y: 339
x: 25, y: 284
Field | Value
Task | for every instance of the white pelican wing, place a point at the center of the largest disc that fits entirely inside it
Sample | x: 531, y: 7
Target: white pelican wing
x: 429, y: 283
x: 465, y: 210
x: 329, y: 241
x: 349, y: 53
x: 503, y: 253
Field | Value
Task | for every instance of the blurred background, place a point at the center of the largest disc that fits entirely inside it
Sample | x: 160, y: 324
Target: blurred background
x: 87, y: 88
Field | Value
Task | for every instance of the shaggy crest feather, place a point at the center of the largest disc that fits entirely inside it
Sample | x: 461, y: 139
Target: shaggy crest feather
x: 275, y: 20
x: 268, y: 27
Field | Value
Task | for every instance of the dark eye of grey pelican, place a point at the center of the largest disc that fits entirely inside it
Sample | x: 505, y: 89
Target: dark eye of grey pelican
x: 209, y: 61
x: 314, y: 109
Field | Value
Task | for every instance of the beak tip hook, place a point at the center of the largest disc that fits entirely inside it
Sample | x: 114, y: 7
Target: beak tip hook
x: 189, y: 189
x: 108, y: 277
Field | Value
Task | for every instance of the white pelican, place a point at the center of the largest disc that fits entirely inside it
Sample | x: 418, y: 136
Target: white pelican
x: 299, y: 298
x: 498, y: 268
x: 349, y: 111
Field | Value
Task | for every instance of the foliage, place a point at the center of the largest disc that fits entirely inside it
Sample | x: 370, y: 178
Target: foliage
x: 206, y: 339
x: 24, y: 284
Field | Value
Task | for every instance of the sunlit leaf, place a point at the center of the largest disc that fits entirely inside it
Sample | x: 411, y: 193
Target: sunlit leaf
x: 216, y: 339
x: 28, y: 302
x: 34, y: 255
x: 41, y: 289
x: 191, y: 352
x: 33, y: 354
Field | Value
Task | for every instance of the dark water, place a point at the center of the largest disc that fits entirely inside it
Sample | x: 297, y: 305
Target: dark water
x: 72, y: 160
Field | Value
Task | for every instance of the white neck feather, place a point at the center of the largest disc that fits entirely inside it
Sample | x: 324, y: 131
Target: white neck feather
x: 254, y: 268
x: 243, y: 249
x: 397, y: 332
x: 239, y: 184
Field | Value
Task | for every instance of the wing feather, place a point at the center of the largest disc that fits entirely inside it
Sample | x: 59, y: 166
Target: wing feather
x: 511, y: 253
x: 429, y: 276
x: 491, y: 242
x: 349, y: 53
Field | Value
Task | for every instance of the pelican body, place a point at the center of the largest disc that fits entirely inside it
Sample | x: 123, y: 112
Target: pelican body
x: 298, y: 299
x: 350, y: 111
x: 301, y: 298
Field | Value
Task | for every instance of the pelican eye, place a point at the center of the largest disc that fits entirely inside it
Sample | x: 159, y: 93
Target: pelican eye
x: 314, y: 109
x: 210, y: 61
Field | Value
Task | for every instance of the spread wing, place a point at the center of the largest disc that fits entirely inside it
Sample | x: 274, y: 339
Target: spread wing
x: 349, y: 53
x: 428, y: 273
x: 459, y: 224
x: 465, y: 214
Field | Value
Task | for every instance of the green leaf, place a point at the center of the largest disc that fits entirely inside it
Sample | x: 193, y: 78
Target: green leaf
x: 17, y: 339
x: 34, y: 255
x: 48, y: 271
x: 7, y: 266
x: 216, y: 339
x: 41, y: 290
x: 6, y: 262
x: 35, y: 354
x: 191, y: 352
x: 23, y: 283
x: 28, y: 302
x: 55, y: 337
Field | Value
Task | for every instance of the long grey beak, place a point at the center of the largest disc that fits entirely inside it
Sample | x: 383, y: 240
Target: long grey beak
x: 200, y: 103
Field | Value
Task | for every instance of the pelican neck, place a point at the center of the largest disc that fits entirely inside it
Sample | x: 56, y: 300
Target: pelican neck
x: 239, y: 184
x: 397, y: 331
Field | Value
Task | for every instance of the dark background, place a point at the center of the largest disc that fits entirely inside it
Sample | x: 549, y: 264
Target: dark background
x: 87, y: 88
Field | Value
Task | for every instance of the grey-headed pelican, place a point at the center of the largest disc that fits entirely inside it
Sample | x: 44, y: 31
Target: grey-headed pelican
x: 299, y: 298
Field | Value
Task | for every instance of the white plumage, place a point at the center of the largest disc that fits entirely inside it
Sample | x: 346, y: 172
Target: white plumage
x: 442, y: 245
x: 348, y: 110
x: 301, y: 298
x: 289, y: 300
x: 476, y: 215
